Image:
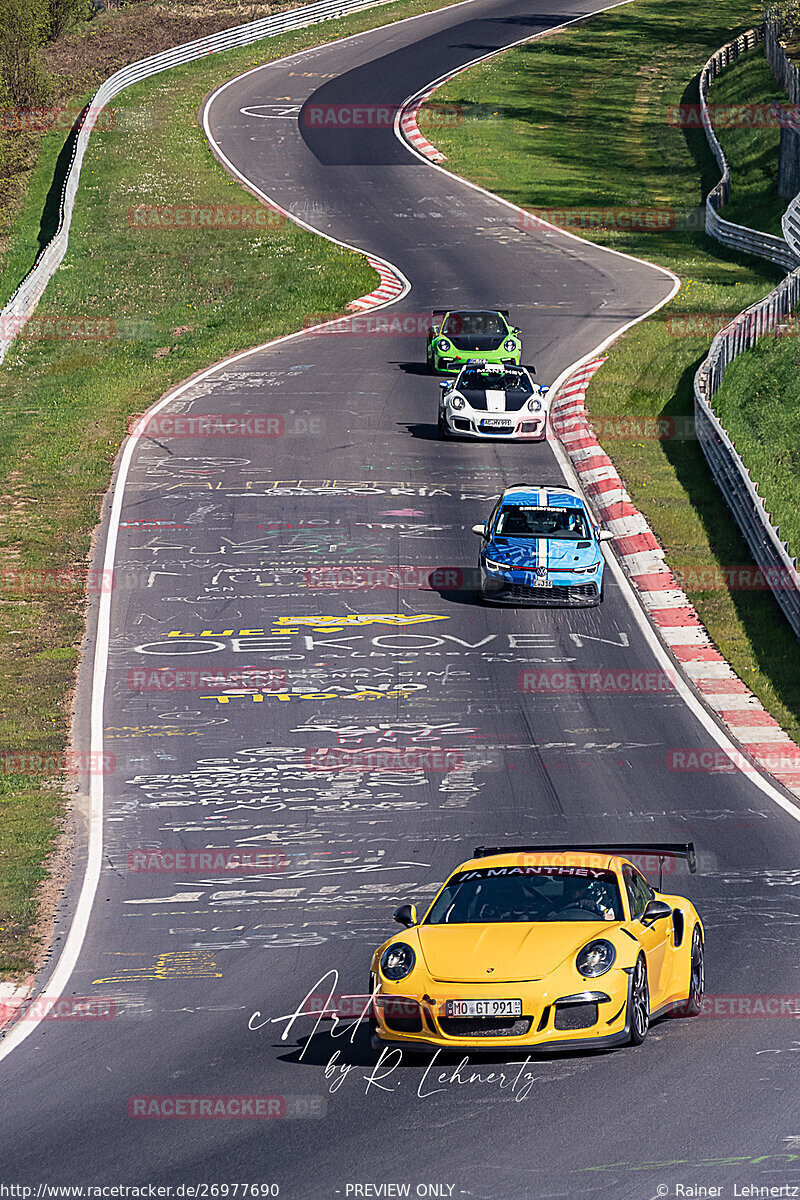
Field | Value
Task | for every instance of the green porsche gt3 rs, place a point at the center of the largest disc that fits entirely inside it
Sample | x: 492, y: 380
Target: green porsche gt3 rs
x: 455, y: 337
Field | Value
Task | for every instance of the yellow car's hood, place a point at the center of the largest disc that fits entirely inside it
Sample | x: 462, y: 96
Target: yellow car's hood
x: 504, y: 952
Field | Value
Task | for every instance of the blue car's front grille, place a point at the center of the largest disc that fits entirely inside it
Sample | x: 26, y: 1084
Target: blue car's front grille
x: 575, y: 593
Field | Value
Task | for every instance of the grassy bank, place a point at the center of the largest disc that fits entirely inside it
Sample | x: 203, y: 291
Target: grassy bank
x: 171, y: 301
x: 73, y: 65
x: 745, y: 92
x: 759, y: 404
x: 582, y: 119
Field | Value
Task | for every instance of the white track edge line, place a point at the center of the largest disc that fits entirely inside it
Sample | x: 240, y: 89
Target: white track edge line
x: 75, y: 938
x: 77, y: 933
x: 426, y: 91
x: 683, y: 687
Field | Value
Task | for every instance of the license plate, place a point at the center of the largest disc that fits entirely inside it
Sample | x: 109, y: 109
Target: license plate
x: 489, y: 423
x: 484, y: 1008
x: 542, y: 583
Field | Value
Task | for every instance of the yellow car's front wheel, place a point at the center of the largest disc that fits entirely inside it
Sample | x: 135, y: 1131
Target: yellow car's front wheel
x: 639, y: 1003
x: 697, y: 976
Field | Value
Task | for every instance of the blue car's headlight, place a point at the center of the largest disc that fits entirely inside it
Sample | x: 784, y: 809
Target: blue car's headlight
x: 494, y: 568
x: 397, y: 961
x: 443, y: 345
x: 596, y: 958
x: 587, y: 570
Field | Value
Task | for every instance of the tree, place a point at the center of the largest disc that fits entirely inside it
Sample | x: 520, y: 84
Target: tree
x: 24, y: 26
x: 63, y: 14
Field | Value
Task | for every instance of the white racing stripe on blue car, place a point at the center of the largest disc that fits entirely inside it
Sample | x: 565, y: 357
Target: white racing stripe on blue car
x: 541, y: 552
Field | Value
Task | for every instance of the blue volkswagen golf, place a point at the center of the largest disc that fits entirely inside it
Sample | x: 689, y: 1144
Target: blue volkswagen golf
x: 541, y: 546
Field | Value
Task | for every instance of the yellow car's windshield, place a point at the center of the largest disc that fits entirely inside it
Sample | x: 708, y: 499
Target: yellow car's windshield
x: 528, y: 894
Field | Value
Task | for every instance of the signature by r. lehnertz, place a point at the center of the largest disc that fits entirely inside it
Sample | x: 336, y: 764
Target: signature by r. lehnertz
x: 515, y: 1078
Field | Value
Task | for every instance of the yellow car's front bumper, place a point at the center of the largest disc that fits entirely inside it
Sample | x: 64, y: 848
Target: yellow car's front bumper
x: 594, y: 1015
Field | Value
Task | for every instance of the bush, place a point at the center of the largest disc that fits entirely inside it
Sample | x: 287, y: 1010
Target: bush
x: 24, y: 26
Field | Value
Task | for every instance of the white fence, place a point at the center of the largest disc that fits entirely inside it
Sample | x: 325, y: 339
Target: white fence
x: 25, y: 299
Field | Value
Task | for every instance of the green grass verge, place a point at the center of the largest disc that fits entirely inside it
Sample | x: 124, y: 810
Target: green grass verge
x: 759, y: 401
x: 578, y: 120
x: 759, y: 405
x: 747, y: 88
x: 29, y: 818
x: 178, y: 300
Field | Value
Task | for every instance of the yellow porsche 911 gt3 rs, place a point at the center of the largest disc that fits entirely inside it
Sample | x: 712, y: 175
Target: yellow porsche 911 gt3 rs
x: 540, y: 948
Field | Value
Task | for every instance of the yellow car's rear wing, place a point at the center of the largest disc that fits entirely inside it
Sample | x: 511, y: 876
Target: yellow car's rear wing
x: 661, y: 850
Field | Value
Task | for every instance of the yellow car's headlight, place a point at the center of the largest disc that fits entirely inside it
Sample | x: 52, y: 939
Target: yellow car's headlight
x: 596, y: 958
x: 397, y: 961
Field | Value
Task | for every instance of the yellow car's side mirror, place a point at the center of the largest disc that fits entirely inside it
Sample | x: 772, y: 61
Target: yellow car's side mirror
x: 406, y: 915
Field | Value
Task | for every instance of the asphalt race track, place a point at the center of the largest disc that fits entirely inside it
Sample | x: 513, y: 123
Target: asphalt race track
x: 218, y: 542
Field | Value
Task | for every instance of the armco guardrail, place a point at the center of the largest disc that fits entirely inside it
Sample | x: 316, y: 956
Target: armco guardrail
x: 781, y: 65
x: 25, y: 299
x: 790, y: 221
x: 739, y: 237
x: 732, y: 476
x: 777, y: 23
x: 730, y: 473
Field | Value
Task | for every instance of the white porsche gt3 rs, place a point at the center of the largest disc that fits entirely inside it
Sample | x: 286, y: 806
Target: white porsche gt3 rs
x: 491, y: 401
